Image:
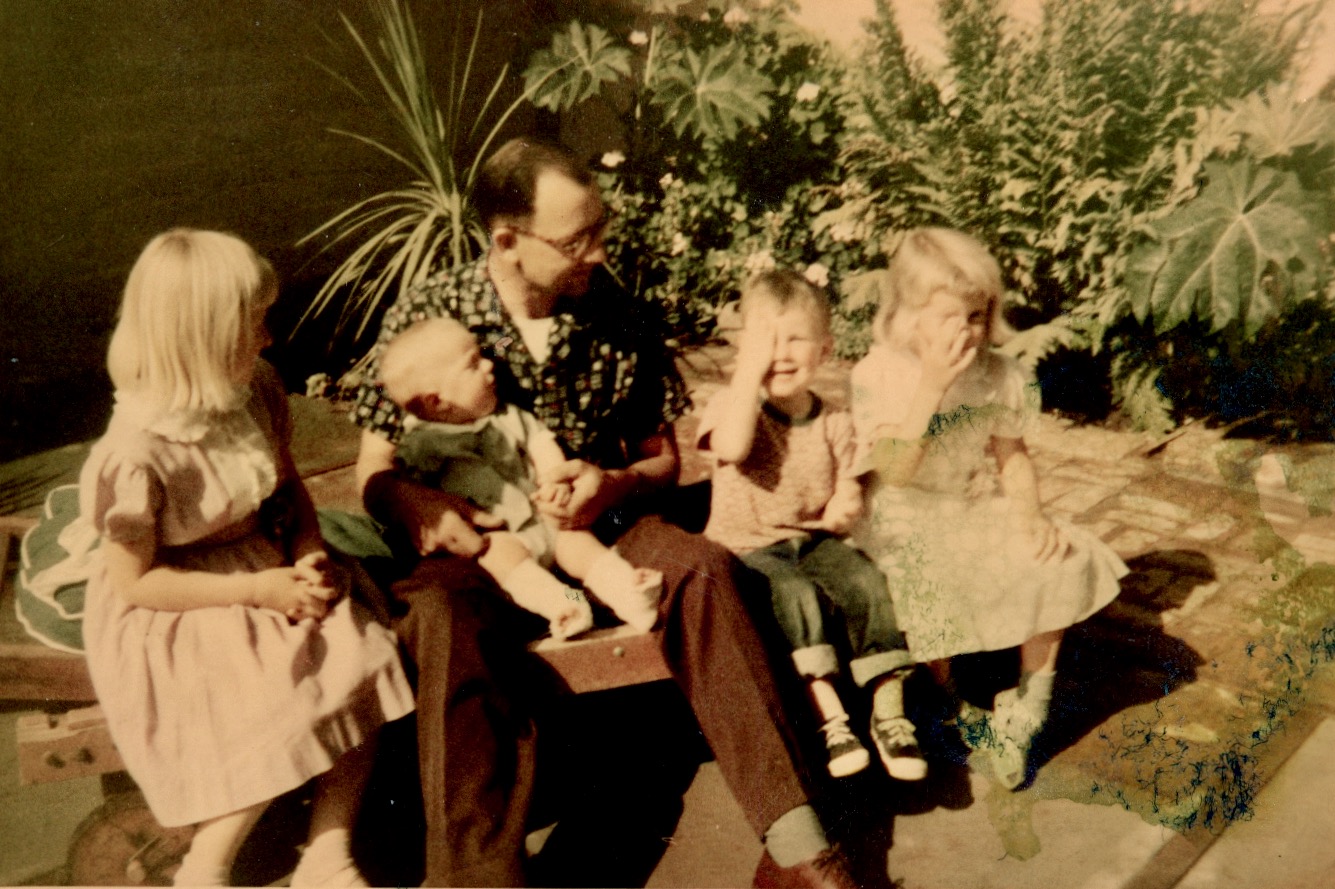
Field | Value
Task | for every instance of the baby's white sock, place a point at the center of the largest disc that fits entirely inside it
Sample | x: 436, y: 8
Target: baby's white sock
x: 196, y: 871
x: 632, y: 593
x: 536, y: 589
x: 327, y: 861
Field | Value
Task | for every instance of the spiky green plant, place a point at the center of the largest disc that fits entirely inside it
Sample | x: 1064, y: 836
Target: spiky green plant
x: 397, y: 237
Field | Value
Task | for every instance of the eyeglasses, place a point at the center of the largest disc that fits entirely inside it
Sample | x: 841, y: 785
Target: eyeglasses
x: 578, y: 245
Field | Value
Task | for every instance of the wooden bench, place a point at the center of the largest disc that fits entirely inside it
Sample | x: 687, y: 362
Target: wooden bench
x: 72, y: 740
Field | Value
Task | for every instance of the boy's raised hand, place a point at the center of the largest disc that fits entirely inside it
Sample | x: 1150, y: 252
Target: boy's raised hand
x: 755, y: 347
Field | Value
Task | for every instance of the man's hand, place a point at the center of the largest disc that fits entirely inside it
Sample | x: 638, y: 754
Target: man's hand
x: 438, y: 521
x: 592, y: 490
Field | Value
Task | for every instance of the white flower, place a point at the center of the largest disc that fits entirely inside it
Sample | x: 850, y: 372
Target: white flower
x: 638, y: 38
x: 736, y: 16
x: 843, y: 231
x: 807, y: 92
x: 679, y: 243
x: 760, y: 261
x: 666, y: 181
x: 817, y: 274
x: 613, y: 159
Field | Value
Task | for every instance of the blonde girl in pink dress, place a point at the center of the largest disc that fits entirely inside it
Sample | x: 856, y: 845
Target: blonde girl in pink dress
x: 956, y: 524
x: 230, y: 663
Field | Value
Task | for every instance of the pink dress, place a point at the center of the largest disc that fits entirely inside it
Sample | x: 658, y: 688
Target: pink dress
x: 215, y: 709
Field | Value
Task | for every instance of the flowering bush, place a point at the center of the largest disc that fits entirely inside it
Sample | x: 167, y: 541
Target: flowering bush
x: 729, y: 130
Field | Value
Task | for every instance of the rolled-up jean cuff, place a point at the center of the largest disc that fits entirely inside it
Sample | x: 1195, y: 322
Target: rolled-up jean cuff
x: 816, y: 660
x: 871, y: 666
x: 796, y: 837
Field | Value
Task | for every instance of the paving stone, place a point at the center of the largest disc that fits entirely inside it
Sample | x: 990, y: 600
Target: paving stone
x: 1081, y: 499
x: 1275, y: 848
x: 1212, y: 528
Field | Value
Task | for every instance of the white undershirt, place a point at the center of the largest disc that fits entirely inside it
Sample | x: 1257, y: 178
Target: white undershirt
x: 534, y: 332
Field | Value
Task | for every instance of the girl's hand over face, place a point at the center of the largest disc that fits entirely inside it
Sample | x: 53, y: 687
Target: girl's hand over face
x: 290, y: 592
x: 755, y: 347
x: 945, y: 352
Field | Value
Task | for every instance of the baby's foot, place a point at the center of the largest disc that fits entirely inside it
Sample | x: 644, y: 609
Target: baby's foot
x: 632, y: 593
x: 572, y: 620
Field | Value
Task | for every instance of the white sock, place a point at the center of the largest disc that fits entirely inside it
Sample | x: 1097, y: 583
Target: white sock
x: 887, y: 700
x: 536, y: 589
x: 195, y: 870
x: 632, y: 593
x: 327, y: 861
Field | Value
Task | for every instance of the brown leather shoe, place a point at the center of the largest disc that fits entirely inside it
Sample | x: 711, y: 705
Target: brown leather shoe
x: 827, y: 870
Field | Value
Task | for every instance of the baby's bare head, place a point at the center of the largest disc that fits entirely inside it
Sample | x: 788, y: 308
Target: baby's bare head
x: 434, y: 371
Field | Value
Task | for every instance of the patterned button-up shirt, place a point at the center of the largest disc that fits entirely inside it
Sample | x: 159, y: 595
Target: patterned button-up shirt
x: 609, y: 381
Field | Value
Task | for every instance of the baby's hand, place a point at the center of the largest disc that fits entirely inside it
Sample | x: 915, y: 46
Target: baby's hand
x: 843, y: 510
x: 1049, y: 543
x: 290, y: 592
x: 554, y: 493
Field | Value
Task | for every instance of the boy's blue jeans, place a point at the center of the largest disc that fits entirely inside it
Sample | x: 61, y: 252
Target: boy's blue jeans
x: 820, y: 586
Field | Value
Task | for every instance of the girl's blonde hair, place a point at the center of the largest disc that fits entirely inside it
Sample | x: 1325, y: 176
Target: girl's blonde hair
x: 187, y: 301
x: 931, y: 260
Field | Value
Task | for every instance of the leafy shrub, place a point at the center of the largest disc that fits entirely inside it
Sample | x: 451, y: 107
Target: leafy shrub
x: 729, y: 123
x: 1136, y: 168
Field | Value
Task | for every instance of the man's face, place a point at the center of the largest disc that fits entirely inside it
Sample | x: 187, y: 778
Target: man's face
x: 562, y: 242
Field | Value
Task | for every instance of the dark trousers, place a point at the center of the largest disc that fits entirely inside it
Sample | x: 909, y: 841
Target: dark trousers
x: 476, y: 738
x: 824, y: 591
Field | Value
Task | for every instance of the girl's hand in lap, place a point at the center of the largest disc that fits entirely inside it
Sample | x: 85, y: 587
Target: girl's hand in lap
x: 290, y: 592
x: 318, y: 569
x: 1049, y: 544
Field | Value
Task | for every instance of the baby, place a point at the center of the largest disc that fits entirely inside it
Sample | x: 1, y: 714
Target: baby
x: 501, y: 459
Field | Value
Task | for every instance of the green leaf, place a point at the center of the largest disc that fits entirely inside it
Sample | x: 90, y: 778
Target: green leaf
x: 1232, y: 255
x: 574, y: 68
x: 1278, y: 125
x: 712, y: 95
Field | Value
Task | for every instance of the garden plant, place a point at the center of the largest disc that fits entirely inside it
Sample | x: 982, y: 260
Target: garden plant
x: 1160, y: 199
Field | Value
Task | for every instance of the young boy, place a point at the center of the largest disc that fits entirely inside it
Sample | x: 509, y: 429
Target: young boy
x: 783, y: 493
x: 456, y: 440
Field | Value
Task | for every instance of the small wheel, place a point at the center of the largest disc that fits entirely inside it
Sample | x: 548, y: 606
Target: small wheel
x: 121, y: 844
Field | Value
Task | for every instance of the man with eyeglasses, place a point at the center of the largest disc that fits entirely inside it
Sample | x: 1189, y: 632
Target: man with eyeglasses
x: 587, y: 359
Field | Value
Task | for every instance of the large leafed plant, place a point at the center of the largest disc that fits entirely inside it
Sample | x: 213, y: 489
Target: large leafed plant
x: 725, y: 137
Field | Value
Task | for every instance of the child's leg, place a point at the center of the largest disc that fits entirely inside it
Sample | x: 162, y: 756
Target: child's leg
x: 1020, y: 712
x: 797, y: 607
x: 632, y: 593
x: 881, y: 659
x: 327, y: 858
x: 214, y: 847
x: 533, y: 587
